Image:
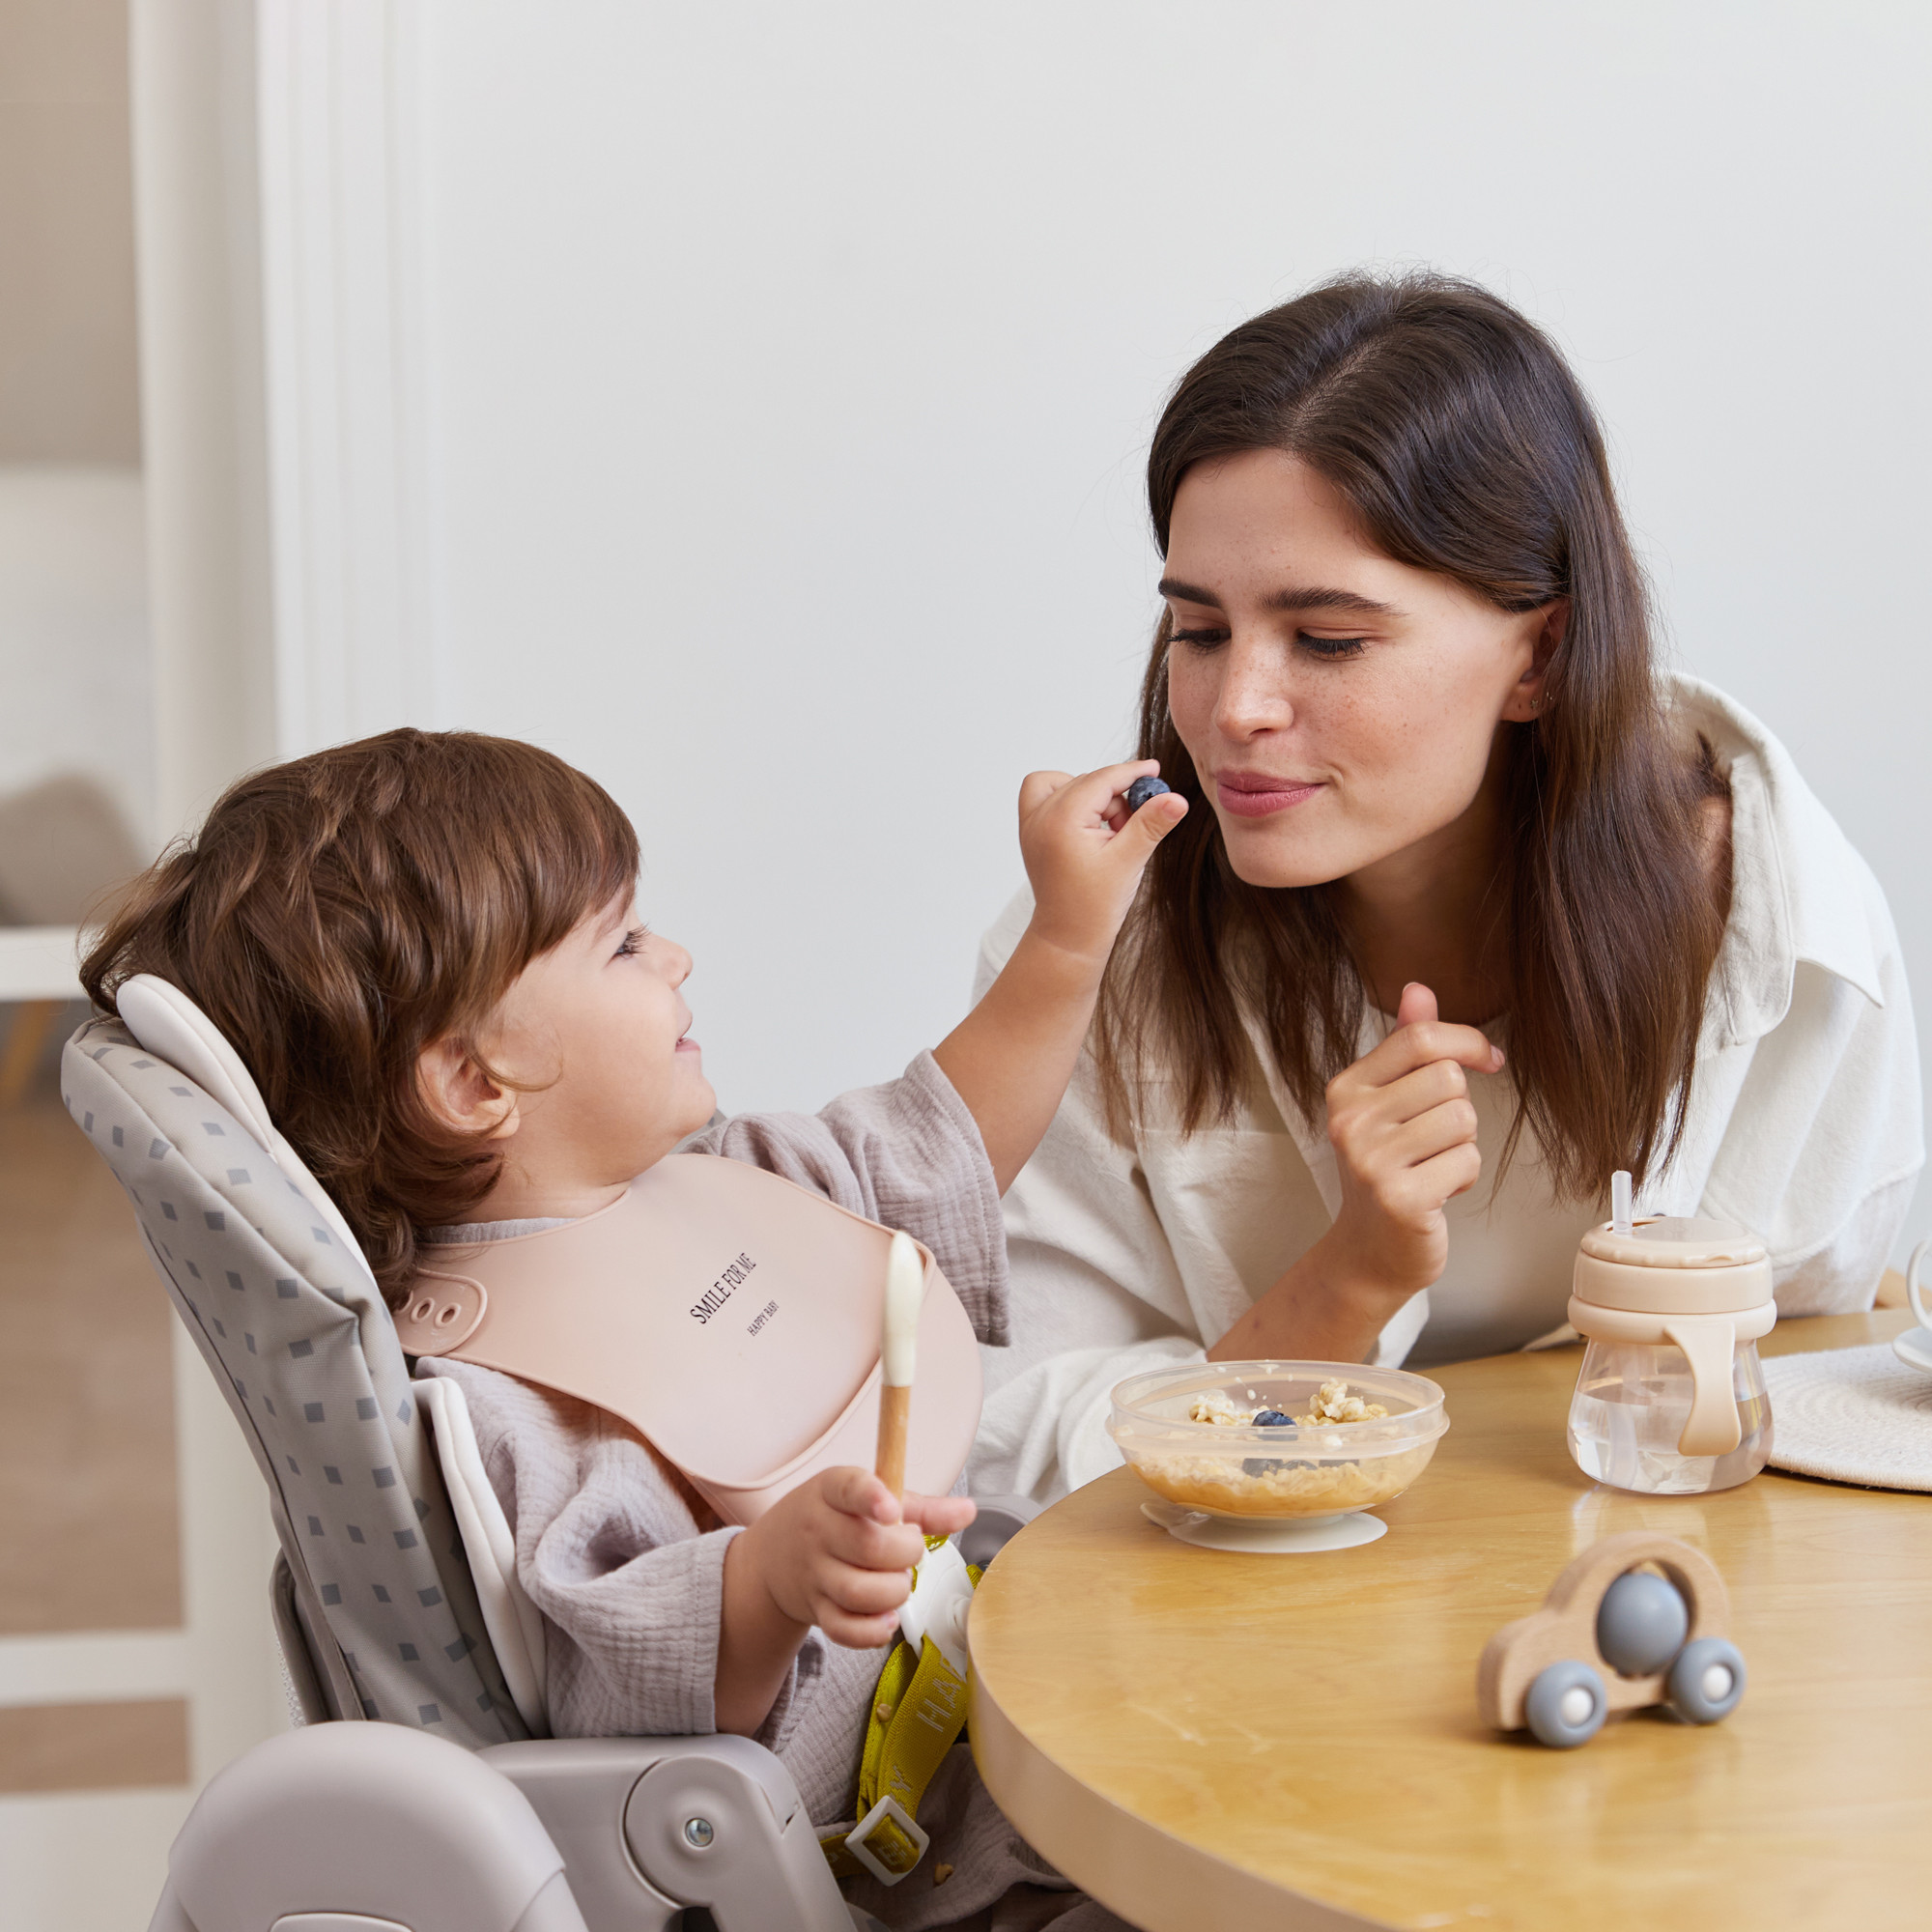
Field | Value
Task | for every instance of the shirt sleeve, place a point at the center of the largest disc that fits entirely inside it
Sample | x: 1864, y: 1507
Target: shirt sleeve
x: 907, y: 1155
x: 1824, y: 1143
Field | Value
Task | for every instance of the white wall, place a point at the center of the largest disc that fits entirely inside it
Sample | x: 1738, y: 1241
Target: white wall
x: 793, y: 368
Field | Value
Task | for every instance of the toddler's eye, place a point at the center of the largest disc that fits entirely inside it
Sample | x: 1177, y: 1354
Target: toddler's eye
x: 632, y: 942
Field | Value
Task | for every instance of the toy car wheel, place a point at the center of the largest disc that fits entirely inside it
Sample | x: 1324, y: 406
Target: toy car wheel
x: 1706, y: 1681
x: 1566, y: 1705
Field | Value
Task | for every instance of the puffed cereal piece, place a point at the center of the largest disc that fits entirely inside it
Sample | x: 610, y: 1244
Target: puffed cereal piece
x: 1213, y: 1405
x: 1334, y: 1403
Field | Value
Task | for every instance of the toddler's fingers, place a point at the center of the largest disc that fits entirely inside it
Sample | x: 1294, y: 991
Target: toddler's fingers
x: 1148, y: 827
x: 865, y: 1544
x: 859, y: 1493
x: 940, y: 1515
x: 850, y: 1633
x: 1036, y: 787
x: 859, y: 1593
x: 1096, y: 792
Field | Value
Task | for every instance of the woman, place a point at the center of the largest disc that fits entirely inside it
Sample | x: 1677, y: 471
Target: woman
x: 1470, y: 908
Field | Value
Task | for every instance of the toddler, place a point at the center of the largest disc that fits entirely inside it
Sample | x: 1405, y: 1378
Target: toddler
x: 424, y: 948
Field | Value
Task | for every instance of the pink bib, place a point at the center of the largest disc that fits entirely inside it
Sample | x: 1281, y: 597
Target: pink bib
x: 729, y: 1317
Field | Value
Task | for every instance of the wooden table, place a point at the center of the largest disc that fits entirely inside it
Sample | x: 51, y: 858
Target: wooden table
x: 1204, y: 1740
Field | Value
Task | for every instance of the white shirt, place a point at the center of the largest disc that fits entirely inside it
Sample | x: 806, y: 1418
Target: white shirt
x: 1804, y: 1122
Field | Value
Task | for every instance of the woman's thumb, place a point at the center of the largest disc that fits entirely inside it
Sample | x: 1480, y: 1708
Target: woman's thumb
x: 1418, y: 1004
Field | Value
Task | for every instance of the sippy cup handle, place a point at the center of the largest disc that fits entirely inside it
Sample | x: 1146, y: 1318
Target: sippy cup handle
x: 1915, y: 1289
x: 1708, y: 1343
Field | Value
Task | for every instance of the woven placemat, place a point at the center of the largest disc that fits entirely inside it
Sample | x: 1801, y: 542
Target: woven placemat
x: 1852, y: 1416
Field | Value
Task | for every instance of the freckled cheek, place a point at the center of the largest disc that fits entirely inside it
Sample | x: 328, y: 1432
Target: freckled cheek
x: 1193, y: 692
x: 1425, y: 765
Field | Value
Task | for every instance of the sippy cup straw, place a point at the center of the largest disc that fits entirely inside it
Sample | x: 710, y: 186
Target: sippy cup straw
x: 1620, y: 1202
x: 905, y: 1281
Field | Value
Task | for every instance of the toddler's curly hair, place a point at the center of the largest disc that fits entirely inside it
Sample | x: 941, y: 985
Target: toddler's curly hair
x: 337, y: 914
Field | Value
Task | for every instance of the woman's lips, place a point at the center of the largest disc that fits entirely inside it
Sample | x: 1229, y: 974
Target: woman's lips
x: 1257, y: 794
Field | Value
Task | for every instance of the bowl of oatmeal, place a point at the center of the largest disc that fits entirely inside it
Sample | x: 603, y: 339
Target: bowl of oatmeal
x: 1281, y: 1440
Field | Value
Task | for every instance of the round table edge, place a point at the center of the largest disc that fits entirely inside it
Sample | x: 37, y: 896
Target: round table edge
x: 1144, y: 1874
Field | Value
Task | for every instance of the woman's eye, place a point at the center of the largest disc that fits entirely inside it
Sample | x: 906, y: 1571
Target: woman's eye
x: 1330, y: 648
x: 1202, y: 640
x: 633, y: 943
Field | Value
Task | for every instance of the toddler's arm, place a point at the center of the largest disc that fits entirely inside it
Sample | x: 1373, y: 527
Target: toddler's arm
x: 834, y: 1553
x: 1011, y: 1058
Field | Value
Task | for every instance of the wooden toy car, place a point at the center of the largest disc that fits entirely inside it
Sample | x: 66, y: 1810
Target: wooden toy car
x: 1634, y: 1620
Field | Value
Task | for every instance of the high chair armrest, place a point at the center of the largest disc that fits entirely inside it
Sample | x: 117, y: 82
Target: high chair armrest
x: 364, y: 1824
x: 355, y: 1823
x: 711, y: 1821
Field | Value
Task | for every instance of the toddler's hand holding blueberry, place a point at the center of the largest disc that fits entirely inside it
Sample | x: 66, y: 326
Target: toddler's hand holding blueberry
x: 1085, y: 842
x: 1011, y: 1058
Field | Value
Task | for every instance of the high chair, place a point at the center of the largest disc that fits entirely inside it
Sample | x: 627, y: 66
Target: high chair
x: 395, y: 1596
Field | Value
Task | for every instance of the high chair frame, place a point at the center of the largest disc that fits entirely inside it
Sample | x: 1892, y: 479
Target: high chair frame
x: 422, y: 1790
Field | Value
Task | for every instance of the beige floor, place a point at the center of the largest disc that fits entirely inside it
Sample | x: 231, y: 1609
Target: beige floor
x: 89, y: 1534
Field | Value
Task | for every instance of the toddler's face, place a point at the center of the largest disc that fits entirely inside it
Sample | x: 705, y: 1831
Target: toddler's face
x: 595, y: 1032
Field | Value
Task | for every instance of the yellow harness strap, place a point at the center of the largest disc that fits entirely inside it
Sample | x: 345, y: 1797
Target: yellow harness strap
x: 917, y: 1713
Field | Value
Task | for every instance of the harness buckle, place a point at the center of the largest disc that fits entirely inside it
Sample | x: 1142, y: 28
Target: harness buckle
x: 901, y: 1844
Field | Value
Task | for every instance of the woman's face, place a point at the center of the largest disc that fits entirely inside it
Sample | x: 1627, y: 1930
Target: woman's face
x: 1340, y: 707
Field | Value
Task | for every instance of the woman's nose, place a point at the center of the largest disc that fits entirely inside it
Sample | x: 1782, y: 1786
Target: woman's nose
x: 1254, y: 694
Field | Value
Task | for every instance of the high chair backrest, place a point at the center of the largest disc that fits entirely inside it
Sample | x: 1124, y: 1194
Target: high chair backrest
x: 279, y: 1300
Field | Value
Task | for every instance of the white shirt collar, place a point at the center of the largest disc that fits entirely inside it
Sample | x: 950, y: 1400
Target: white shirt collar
x: 1798, y: 888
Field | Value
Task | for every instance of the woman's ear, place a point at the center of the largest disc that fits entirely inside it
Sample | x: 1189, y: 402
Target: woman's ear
x: 462, y: 1093
x: 1528, y: 698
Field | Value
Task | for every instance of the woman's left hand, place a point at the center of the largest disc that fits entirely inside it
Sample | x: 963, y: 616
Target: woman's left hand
x: 1404, y: 1131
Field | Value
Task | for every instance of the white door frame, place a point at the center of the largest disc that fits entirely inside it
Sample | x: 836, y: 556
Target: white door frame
x: 285, y: 409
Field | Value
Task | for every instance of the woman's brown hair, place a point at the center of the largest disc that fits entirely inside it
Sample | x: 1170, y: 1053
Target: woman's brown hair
x: 1454, y: 429
x: 337, y: 914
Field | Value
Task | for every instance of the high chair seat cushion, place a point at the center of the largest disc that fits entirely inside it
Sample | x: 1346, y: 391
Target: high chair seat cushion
x: 289, y: 1320
x: 514, y: 1625
x: 165, y: 1021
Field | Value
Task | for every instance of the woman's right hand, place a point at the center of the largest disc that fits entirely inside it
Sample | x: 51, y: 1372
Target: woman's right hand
x: 1403, y: 1131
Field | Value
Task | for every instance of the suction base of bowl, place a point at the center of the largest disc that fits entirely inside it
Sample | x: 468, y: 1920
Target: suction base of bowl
x: 1266, y: 1536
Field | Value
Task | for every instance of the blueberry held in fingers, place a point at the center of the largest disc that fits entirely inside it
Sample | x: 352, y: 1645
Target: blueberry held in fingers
x: 1144, y: 788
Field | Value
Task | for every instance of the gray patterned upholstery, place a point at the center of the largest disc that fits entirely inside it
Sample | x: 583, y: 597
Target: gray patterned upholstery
x: 304, y: 1351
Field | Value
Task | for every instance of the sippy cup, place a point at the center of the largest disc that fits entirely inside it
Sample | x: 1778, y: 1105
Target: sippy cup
x: 1670, y: 1400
